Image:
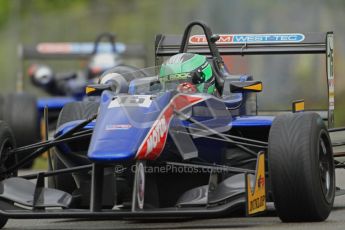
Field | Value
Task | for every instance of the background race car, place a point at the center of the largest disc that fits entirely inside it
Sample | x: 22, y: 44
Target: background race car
x: 56, y: 88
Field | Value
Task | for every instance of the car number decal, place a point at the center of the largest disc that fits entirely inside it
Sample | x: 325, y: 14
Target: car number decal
x: 135, y: 100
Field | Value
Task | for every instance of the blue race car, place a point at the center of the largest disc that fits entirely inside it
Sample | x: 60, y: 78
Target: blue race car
x: 181, y: 139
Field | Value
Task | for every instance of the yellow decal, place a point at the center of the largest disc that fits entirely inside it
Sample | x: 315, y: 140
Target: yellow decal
x: 256, y: 198
x: 298, y: 106
x: 255, y: 87
x: 43, y: 136
x: 89, y: 90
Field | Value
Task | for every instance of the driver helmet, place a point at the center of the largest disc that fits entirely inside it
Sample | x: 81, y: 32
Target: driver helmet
x: 188, y: 71
x: 41, y: 74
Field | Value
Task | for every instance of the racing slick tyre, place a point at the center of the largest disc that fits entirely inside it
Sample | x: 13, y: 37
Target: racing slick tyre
x: 125, y: 69
x: 124, y: 77
x: 20, y: 112
x: 7, y: 143
x: 301, y: 167
x: 70, y: 112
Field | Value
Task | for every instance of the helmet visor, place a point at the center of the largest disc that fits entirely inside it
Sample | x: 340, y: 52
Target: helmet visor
x: 172, y: 81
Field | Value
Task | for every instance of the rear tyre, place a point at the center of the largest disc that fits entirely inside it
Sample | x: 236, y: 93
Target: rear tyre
x: 128, y: 72
x: 20, y: 112
x: 70, y: 112
x: 301, y: 167
x: 3, y: 221
x: 7, y: 143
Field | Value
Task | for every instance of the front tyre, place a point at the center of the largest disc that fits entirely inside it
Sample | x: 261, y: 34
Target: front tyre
x: 301, y: 167
x: 7, y: 143
x: 79, y: 110
x: 21, y: 113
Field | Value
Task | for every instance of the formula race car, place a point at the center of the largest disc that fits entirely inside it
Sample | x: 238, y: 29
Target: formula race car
x: 181, y: 139
x: 62, y: 87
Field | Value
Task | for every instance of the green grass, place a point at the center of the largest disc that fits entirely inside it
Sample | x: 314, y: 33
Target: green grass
x: 40, y: 163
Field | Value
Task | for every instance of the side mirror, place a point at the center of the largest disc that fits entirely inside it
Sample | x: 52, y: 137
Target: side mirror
x: 97, y: 89
x: 245, y: 86
x: 113, y: 81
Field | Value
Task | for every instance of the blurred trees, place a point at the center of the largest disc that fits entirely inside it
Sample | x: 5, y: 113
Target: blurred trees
x: 32, y: 21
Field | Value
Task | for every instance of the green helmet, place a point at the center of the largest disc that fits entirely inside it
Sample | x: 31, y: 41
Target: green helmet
x: 189, y: 67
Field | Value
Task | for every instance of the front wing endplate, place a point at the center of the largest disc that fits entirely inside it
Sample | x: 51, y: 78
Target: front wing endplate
x: 256, y: 197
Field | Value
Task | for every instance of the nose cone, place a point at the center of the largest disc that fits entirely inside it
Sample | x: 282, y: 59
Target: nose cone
x: 132, y: 127
x: 116, y: 142
x: 121, y: 126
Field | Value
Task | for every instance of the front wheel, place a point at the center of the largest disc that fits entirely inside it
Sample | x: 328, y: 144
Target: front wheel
x: 73, y: 111
x: 7, y: 143
x: 21, y: 114
x: 301, y: 167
